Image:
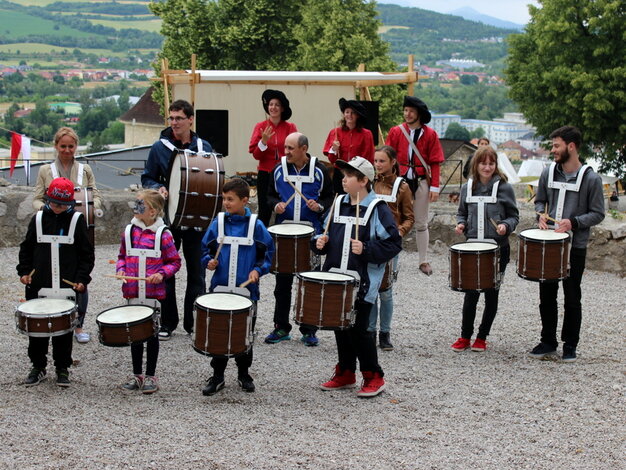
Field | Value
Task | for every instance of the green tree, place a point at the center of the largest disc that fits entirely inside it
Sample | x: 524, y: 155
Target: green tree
x: 457, y: 132
x: 569, y: 67
x: 468, y: 79
x: 477, y: 133
x: 114, y: 134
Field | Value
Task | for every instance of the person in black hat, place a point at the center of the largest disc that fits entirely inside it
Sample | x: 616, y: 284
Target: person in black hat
x: 349, y: 140
x: 420, y: 169
x: 267, y: 144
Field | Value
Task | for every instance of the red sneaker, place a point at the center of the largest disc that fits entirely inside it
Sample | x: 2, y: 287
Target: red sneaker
x: 461, y: 344
x: 340, y: 379
x: 479, y: 345
x: 373, y: 384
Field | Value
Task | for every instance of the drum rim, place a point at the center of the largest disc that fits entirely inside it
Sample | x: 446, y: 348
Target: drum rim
x: 46, y: 314
x: 273, y: 230
x: 563, y: 236
x: 208, y: 308
x: 131, y: 323
x: 303, y: 275
x: 492, y: 247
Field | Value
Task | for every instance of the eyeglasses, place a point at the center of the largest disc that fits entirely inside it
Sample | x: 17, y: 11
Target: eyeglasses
x: 176, y: 119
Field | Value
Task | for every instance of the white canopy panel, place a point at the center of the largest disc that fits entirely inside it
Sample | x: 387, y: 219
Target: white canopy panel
x: 279, y: 76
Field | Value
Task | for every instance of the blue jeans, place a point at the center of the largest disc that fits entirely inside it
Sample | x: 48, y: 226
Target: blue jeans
x: 386, y: 307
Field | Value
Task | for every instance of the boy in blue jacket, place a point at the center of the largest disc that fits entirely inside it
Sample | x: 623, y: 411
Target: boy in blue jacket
x: 246, y: 240
x: 364, y: 257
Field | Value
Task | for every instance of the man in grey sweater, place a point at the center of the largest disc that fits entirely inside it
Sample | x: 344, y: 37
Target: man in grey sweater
x: 573, y: 195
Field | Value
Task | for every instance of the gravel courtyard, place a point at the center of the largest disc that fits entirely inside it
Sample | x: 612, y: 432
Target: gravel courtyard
x: 441, y: 410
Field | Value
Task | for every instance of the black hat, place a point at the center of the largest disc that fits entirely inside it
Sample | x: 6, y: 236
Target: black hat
x: 269, y: 95
x: 422, y: 109
x: 354, y: 105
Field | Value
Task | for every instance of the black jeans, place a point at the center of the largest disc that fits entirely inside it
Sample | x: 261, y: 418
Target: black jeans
x: 82, y: 300
x: 243, y: 361
x: 191, y: 241
x: 548, y: 307
x: 491, y: 304
x: 358, y: 343
x: 152, y: 356
x: 262, y: 187
x: 282, y: 307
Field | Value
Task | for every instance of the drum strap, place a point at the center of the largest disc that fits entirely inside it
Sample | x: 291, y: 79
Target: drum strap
x: 79, y: 175
x: 349, y: 223
x: 55, y: 240
x: 393, y: 197
x: 481, y: 201
x: 297, y: 181
x: 143, y: 254
x: 234, y: 243
x: 563, y: 187
x: 172, y: 148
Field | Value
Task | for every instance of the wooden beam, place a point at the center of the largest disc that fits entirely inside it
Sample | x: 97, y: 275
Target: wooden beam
x: 409, y: 88
x: 192, y: 79
x: 166, y: 90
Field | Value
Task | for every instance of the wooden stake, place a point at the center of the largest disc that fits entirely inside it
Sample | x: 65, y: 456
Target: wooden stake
x: 166, y: 90
x: 193, y: 87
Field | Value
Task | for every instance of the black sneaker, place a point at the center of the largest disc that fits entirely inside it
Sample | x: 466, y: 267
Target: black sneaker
x: 384, y: 342
x: 35, y: 377
x: 213, y: 385
x: 569, y: 353
x: 63, y: 378
x: 165, y: 334
x: 246, y: 383
x: 541, y: 351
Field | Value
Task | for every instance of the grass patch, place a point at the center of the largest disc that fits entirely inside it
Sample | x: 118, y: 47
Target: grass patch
x: 152, y: 26
x: 386, y: 29
x: 26, y: 48
x: 17, y: 24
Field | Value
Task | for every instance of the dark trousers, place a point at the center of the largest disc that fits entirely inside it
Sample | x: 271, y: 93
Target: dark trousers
x: 82, y: 300
x: 358, y: 343
x: 491, y: 304
x: 282, y: 307
x: 548, y: 307
x: 243, y: 361
x: 262, y: 186
x: 191, y: 241
x: 152, y: 356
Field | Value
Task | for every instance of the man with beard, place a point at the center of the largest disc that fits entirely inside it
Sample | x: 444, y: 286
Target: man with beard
x: 572, y: 194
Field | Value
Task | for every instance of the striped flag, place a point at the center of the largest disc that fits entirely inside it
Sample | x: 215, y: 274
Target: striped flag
x: 20, y: 144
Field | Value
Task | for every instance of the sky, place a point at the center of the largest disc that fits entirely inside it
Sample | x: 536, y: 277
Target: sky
x: 509, y: 10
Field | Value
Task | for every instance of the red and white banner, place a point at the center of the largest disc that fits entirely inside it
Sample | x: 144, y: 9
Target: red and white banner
x: 20, y: 144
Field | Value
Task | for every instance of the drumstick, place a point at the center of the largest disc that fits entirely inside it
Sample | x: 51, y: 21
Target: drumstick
x: 244, y: 284
x: 290, y: 199
x: 547, y: 217
x: 493, y: 222
x: 131, y: 278
x: 32, y: 272
x: 298, y: 191
x: 219, y: 248
x: 73, y: 284
x: 356, y: 226
x: 330, y: 214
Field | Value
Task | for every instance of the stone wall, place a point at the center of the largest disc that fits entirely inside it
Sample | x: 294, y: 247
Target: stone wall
x: 606, y: 251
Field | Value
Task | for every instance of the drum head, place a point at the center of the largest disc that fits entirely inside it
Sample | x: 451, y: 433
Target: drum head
x: 224, y: 301
x: 543, y: 235
x: 290, y: 230
x: 173, y: 187
x: 125, y: 314
x: 326, y: 276
x: 474, y: 246
x: 45, y: 306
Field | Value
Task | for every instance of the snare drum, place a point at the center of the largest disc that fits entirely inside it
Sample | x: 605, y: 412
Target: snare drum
x: 474, y: 266
x: 223, y: 324
x: 325, y: 300
x: 293, y: 253
x: 194, y: 189
x: 123, y: 326
x: 84, y: 205
x: 45, y: 317
x: 543, y: 255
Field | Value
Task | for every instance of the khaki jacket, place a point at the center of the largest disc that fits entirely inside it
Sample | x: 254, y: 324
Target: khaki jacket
x: 44, y: 178
x: 402, y: 209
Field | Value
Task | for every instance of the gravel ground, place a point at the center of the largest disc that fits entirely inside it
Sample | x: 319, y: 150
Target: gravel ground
x: 441, y: 410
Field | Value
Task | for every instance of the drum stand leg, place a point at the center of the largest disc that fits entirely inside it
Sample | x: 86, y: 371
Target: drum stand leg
x: 543, y: 260
x: 319, y: 318
x: 230, y: 331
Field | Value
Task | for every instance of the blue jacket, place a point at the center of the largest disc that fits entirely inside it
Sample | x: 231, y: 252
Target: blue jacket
x: 320, y: 190
x: 156, y: 172
x: 257, y: 256
x: 381, y: 243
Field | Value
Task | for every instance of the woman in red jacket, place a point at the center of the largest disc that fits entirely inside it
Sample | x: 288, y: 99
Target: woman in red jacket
x: 351, y: 139
x: 267, y: 144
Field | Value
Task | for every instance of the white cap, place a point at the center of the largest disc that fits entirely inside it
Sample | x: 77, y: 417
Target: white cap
x: 360, y: 164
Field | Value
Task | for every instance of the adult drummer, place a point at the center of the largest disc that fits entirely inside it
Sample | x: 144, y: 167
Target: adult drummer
x: 420, y: 169
x: 573, y: 195
x: 155, y: 176
x: 351, y: 139
x: 310, y: 176
x: 267, y: 144
x: 81, y: 174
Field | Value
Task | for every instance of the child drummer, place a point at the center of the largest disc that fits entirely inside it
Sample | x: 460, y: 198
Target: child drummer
x: 56, y: 250
x: 362, y: 253
x: 147, y: 250
x: 236, y: 238
x: 487, y: 210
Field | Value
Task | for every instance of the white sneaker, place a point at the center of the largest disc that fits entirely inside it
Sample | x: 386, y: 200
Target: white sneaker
x: 82, y: 337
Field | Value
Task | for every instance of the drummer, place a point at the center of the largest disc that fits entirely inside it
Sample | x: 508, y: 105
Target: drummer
x: 487, y: 211
x: 81, y: 174
x: 570, y: 199
x: 42, y: 272
x: 310, y: 177
x: 246, y: 242
x: 155, y: 176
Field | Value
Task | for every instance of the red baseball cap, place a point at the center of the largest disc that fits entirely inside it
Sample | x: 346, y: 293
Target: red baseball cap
x: 61, y: 191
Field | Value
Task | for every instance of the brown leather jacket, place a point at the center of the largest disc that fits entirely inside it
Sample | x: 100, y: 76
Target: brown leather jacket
x: 402, y: 209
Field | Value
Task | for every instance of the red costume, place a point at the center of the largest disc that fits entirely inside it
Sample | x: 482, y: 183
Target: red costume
x: 269, y: 157
x: 357, y: 142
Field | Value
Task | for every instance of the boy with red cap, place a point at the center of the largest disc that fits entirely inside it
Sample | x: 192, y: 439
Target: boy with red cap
x: 56, y: 248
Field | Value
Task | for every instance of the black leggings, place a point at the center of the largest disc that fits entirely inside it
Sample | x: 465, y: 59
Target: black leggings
x: 152, y: 355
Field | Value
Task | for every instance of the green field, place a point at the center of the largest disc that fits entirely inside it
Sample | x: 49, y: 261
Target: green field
x: 16, y: 24
x: 43, y: 3
x: 35, y: 48
x: 153, y: 26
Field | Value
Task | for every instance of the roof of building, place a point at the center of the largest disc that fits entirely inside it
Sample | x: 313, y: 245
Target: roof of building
x: 146, y: 111
x: 451, y: 146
